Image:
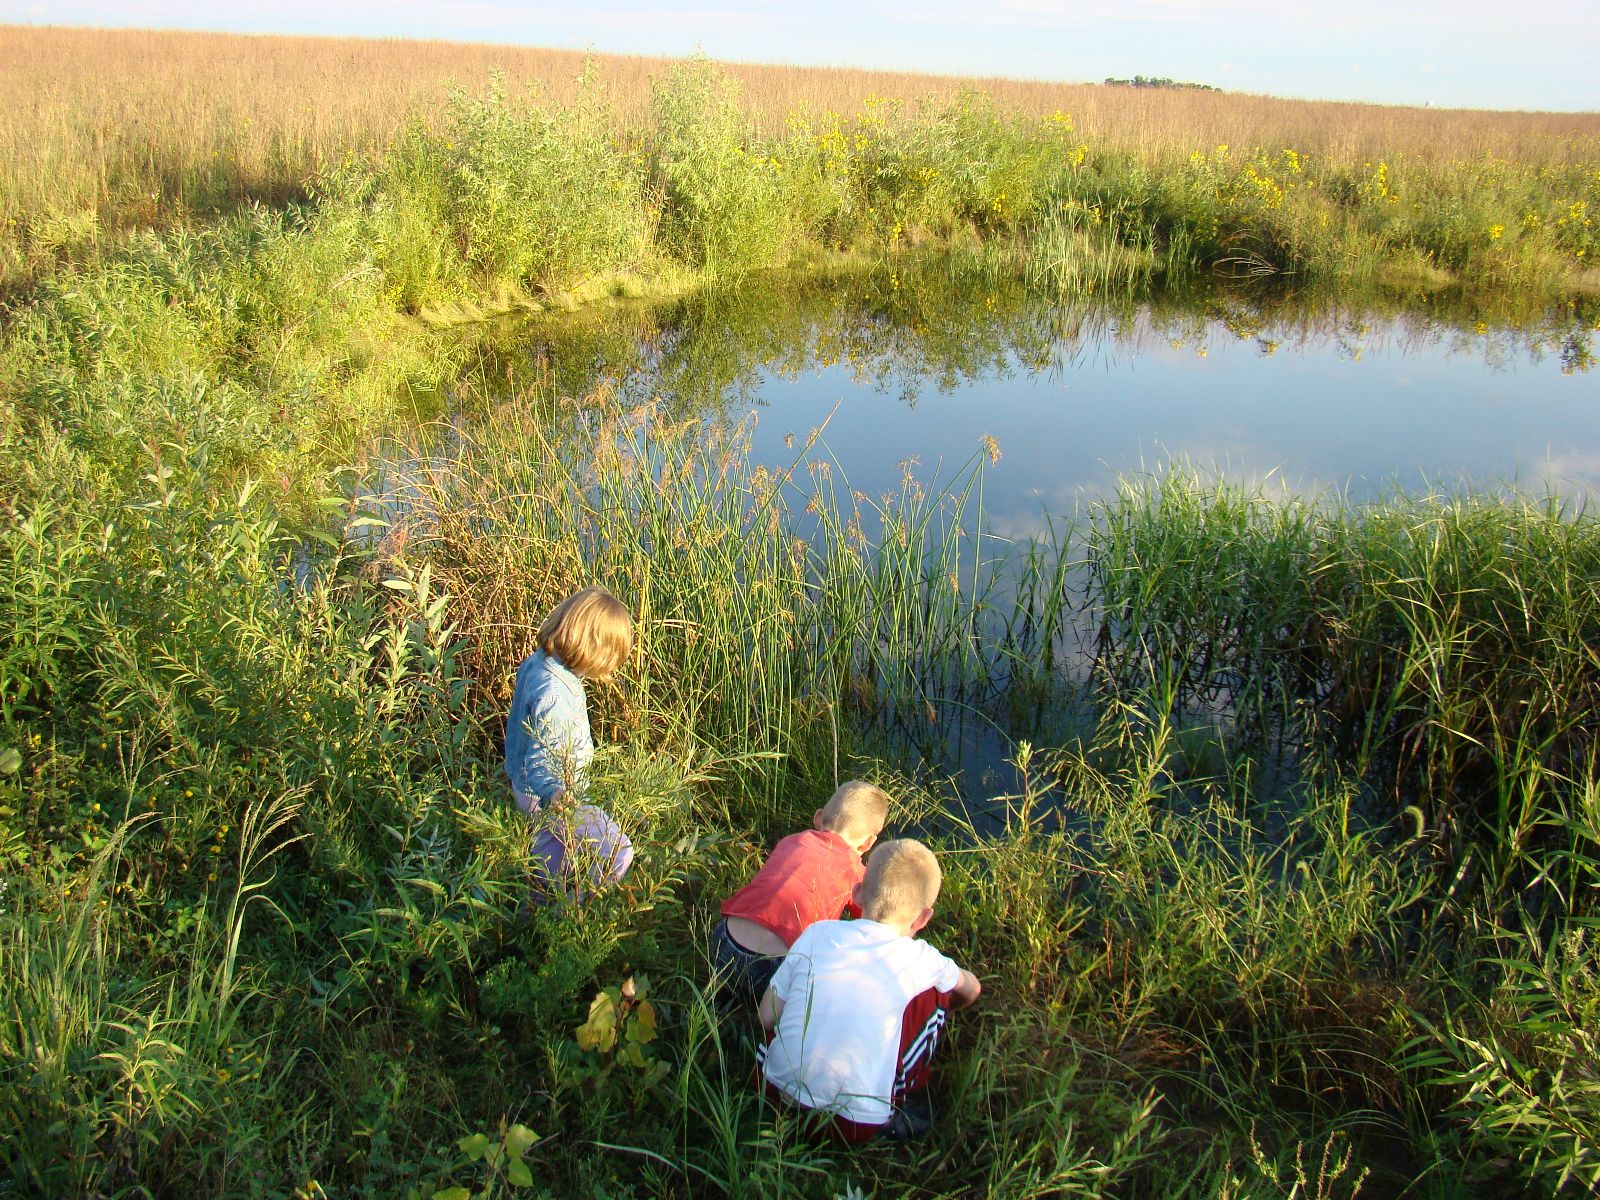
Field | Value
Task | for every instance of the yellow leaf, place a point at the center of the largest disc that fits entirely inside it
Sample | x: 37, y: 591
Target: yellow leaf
x: 599, y: 1032
x: 642, y: 1028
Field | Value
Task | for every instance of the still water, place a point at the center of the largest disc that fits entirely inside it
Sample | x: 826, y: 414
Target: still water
x: 1377, y: 409
x: 1309, y: 398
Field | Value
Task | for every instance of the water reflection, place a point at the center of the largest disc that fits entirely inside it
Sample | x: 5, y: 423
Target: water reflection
x: 1310, y: 392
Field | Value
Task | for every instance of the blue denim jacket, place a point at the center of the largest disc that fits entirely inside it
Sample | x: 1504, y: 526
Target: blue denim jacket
x: 548, y: 746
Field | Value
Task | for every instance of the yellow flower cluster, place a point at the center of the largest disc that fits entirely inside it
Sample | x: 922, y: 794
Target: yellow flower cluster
x: 1266, y: 189
x: 1377, y: 186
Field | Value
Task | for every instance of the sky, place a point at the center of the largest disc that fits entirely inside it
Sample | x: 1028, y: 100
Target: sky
x: 1544, y: 54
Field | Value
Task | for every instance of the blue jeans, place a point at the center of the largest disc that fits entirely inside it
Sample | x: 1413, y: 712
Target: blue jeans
x: 743, y: 972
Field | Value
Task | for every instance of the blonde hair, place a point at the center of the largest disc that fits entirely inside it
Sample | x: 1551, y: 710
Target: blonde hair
x: 856, y: 811
x: 591, y: 632
x: 902, y: 879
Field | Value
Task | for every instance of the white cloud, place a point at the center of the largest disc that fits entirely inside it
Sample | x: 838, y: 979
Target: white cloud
x: 1572, y: 474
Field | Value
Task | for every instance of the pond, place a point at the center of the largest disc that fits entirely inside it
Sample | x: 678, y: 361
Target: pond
x: 1314, y: 397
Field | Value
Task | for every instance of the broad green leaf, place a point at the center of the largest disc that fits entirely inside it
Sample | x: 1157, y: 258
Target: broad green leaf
x: 10, y: 760
x: 519, y: 1138
x: 475, y: 1146
x: 519, y: 1174
x: 453, y: 1193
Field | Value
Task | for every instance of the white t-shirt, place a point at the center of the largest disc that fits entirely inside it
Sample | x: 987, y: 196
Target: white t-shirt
x: 844, y: 987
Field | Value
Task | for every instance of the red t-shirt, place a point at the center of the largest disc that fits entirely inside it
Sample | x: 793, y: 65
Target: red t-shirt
x: 807, y: 877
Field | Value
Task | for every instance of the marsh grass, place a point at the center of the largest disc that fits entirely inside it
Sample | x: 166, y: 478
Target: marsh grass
x: 806, y: 593
x: 1395, y: 637
x: 1400, y: 636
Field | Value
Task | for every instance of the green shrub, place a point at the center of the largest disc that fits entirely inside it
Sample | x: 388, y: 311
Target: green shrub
x: 536, y: 193
x: 723, y: 203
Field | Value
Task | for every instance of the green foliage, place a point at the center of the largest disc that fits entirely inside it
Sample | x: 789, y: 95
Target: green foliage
x: 44, y: 573
x: 537, y: 193
x: 618, y: 1038
x: 410, y: 210
x: 966, y: 164
x: 1523, y: 1073
x: 723, y: 206
x: 502, y: 1156
x: 1518, y: 1066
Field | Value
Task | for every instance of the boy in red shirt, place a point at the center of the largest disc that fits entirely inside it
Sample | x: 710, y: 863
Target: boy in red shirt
x: 808, y: 877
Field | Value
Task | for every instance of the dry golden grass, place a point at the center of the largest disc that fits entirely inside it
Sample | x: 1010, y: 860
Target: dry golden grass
x: 131, y: 124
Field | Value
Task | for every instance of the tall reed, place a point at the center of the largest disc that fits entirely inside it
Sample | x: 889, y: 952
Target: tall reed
x: 1440, y: 644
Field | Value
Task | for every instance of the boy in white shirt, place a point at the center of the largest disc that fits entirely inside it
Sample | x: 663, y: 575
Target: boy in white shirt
x: 856, y: 1009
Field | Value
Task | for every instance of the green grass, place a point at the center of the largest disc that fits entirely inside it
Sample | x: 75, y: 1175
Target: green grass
x: 1441, y: 645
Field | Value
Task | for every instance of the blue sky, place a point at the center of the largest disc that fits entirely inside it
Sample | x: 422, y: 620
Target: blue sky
x: 1466, y: 53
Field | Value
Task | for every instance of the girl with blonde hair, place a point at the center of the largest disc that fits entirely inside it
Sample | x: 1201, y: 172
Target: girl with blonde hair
x: 589, y: 635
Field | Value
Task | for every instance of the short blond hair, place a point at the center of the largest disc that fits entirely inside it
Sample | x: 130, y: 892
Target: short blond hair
x: 857, y: 810
x: 591, y: 632
x: 902, y: 879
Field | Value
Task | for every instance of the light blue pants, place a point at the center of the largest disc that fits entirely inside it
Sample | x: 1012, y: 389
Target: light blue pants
x: 580, y: 842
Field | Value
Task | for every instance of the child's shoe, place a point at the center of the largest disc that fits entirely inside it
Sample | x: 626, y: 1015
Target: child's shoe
x: 913, y: 1117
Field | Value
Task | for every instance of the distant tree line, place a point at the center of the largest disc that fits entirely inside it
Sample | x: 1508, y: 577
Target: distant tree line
x: 1160, y: 81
